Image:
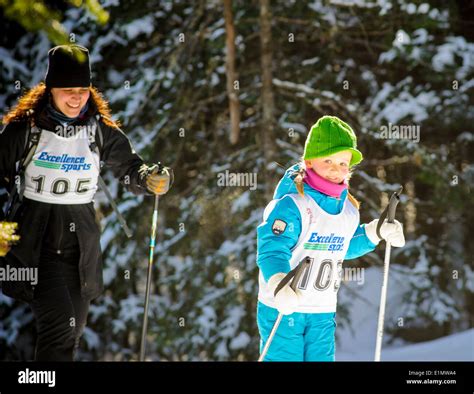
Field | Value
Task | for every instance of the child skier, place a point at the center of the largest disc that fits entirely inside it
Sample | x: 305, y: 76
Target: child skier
x: 312, y: 215
x: 54, y: 193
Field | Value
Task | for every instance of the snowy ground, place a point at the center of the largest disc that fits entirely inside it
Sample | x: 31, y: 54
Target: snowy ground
x: 360, y: 344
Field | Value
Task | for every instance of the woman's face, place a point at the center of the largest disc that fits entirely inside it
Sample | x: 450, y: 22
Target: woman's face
x: 70, y: 101
x: 334, y: 168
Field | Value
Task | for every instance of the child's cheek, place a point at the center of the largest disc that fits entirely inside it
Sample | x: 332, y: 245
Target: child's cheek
x: 321, y: 169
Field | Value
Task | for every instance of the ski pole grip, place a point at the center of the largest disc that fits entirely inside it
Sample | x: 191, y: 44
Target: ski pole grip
x: 392, y: 205
x: 294, y: 275
x: 389, y: 212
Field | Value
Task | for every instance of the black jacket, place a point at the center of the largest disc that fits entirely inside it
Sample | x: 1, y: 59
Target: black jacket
x: 45, y: 227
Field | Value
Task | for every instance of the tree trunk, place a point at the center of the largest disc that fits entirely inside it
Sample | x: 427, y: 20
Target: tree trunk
x: 232, y: 83
x: 267, y: 129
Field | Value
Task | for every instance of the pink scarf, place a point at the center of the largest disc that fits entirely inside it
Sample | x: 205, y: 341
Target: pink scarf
x: 323, y: 185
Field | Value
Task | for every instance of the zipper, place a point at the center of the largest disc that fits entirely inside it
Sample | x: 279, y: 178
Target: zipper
x: 58, y: 250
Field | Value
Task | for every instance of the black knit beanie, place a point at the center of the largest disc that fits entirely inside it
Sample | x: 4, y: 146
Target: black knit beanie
x: 66, y: 69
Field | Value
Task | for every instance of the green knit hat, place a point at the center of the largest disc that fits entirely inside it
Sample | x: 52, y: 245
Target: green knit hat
x: 331, y: 135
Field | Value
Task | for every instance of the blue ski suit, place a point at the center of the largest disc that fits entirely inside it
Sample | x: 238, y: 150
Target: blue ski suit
x: 300, y: 336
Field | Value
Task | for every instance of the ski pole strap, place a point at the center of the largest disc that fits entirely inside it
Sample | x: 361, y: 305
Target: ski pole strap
x: 33, y: 136
x: 294, y: 275
x: 120, y: 218
x: 15, y: 197
x: 389, y: 212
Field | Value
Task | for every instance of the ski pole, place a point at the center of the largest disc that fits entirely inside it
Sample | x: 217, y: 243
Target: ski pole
x: 120, y: 218
x: 294, y: 275
x: 148, y: 278
x: 388, y: 213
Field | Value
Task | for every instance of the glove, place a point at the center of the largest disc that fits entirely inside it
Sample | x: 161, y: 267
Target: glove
x: 286, y: 300
x: 159, y: 179
x: 391, y: 232
x: 7, y: 237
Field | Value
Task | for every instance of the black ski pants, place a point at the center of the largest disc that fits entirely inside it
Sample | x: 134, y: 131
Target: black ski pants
x: 59, y: 310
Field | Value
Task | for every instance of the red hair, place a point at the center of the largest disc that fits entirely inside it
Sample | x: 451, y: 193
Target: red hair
x: 38, y: 96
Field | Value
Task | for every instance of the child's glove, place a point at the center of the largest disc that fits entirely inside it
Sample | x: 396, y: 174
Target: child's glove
x: 391, y: 232
x: 159, y: 179
x: 286, y: 300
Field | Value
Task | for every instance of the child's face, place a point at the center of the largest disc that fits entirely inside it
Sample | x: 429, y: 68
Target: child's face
x: 334, y: 168
x: 70, y: 101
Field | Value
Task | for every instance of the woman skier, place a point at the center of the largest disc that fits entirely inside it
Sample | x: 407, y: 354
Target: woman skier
x: 51, y: 148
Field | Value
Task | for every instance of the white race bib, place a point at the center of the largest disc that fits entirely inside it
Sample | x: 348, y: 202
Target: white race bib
x: 324, y: 239
x: 63, y: 170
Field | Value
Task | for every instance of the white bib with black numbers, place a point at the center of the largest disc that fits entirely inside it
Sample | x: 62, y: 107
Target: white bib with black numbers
x: 63, y: 170
x: 325, y: 240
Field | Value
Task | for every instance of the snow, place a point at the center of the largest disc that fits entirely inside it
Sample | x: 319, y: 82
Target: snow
x: 110, y: 3
x: 228, y: 247
x: 95, y: 311
x: 421, y: 37
x: 231, y: 324
x: 221, y: 350
x: 139, y: 26
x: 310, y: 62
x: 4, y: 300
x: 131, y: 308
x: 102, y: 42
x: 359, y: 344
x: 166, y: 244
x: 439, y: 16
x: 423, y: 8
x: 401, y: 39
x: 206, y: 320
x: 111, y: 270
x: 377, y: 183
x: 240, y: 341
x: 151, y: 54
x: 217, y: 33
x: 11, y: 325
x: 114, y: 77
x: 421, y: 45
x: 411, y: 8
x: 294, y: 86
x: 118, y: 326
x: 179, y: 264
x: 454, y: 47
x: 416, y: 108
x: 455, y: 347
x: 298, y: 127
x: 91, y: 338
x: 388, y: 56
x: 444, y: 57
x: 241, y: 202
x: 469, y: 273
x: 11, y: 65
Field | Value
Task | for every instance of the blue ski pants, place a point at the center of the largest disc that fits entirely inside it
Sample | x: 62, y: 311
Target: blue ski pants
x: 300, y: 336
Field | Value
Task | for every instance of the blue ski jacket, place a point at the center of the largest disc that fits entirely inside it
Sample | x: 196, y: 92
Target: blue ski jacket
x: 274, y: 251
